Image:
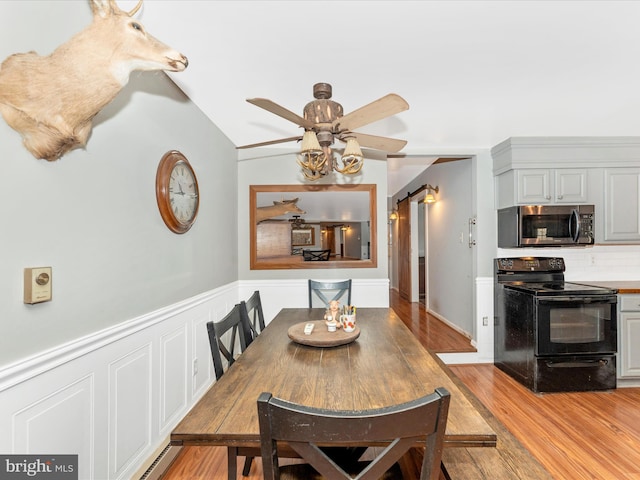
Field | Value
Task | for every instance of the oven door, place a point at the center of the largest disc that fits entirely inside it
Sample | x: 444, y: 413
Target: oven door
x: 569, y: 325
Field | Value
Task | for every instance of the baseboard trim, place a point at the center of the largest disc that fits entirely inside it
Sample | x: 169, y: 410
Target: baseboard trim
x: 450, y: 324
x: 161, y: 464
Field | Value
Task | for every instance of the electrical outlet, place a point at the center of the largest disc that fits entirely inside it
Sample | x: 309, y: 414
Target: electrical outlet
x: 485, y: 321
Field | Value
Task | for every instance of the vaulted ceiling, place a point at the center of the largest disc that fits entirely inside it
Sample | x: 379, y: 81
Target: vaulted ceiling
x: 473, y: 72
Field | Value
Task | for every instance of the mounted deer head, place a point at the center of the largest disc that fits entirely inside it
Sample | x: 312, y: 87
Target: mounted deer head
x: 278, y: 208
x: 51, y: 100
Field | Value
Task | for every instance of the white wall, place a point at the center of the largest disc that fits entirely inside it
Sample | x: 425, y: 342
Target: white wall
x: 92, y: 216
x: 113, y: 398
x: 106, y: 369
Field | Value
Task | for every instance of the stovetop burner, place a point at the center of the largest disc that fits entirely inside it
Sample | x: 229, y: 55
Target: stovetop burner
x: 541, y: 276
x: 557, y: 288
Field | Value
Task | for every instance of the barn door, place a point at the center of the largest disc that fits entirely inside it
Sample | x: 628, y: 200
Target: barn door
x: 404, y: 249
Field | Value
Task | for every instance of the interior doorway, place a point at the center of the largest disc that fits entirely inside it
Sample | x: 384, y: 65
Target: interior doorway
x: 422, y: 254
x: 404, y: 249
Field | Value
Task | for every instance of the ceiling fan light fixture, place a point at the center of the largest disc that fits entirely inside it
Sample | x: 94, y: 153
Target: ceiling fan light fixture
x: 311, y: 158
x: 310, y: 142
x: 323, y: 121
x: 352, y: 158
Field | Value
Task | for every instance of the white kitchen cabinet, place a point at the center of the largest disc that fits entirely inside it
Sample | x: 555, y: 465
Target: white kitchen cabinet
x: 622, y: 205
x: 541, y: 186
x: 533, y: 186
x: 629, y: 336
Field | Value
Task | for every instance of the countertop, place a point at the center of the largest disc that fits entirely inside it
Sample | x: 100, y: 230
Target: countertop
x: 623, y: 287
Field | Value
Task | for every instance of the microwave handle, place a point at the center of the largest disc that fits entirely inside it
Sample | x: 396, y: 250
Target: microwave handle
x: 574, y: 221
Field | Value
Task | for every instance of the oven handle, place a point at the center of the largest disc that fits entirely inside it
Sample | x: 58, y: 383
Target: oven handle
x: 602, y: 362
x: 580, y: 299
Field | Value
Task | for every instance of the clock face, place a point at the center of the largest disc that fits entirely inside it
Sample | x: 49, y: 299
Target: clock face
x: 177, y: 192
x: 183, y: 193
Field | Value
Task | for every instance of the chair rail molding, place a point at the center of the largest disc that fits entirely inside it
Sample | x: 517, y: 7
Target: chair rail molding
x: 113, y: 397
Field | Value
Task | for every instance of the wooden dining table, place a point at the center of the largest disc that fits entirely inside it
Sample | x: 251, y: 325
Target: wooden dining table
x: 385, y: 365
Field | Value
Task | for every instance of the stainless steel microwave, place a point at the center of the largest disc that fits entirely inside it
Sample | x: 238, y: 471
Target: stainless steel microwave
x: 545, y: 226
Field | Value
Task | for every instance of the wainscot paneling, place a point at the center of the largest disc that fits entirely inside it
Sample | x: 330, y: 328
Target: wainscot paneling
x: 277, y: 294
x: 32, y: 425
x: 113, y: 397
x: 130, y: 407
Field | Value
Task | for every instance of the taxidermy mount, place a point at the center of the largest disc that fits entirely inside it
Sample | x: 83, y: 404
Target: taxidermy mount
x: 51, y: 100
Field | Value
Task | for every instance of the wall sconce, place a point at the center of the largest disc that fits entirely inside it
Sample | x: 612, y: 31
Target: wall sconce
x: 430, y: 197
x: 393, y: 215
x: 344, y: 228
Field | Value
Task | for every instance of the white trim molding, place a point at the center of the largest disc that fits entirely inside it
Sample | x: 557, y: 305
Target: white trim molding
x: 113, y: 397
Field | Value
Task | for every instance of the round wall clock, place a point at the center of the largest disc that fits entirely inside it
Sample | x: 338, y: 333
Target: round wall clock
x: 177, y: 192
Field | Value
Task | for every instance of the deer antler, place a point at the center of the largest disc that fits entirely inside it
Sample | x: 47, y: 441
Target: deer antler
x: 135, y: 9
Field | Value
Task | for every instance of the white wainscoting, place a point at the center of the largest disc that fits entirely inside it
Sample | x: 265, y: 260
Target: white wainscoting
x: 277, y: 294
x: 114, y: 397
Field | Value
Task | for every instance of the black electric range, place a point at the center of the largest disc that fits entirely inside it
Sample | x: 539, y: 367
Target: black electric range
x: 552, y: 335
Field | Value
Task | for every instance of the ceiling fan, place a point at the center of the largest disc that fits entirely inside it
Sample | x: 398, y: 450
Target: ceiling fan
x: 296, y: 221
x: 324, y: 121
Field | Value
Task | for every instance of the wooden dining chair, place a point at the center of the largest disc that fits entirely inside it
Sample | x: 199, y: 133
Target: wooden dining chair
x: 316, y: 255
x: 335, y: 290
x: 252, y: 311
x: 224, y: 336
x: 397, y: 428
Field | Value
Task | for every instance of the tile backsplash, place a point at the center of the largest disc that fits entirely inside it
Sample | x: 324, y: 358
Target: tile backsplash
x: 597, y: 263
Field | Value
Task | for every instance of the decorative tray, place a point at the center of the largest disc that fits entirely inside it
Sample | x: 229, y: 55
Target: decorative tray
x: 320, y: 336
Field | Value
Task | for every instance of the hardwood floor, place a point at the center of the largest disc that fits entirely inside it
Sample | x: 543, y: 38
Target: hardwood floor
x: 575, y: 436
x: 434, y: 334
x: 592, y: 435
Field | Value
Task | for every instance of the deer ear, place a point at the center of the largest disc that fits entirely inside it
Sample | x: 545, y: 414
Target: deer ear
x: 103, y: 8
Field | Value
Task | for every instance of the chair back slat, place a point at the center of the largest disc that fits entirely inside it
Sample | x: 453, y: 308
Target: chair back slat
x: 224, y: 336
x: 335, y: 291
x: 254, y: 316
x: 399, y: 427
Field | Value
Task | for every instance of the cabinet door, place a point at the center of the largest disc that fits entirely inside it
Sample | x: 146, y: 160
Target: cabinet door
x: 533, y: 186
x: 629, y: 345
x: 622, y: 204
x: 570, y: 185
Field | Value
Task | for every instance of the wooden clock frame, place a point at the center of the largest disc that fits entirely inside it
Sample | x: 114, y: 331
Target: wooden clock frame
x: 167, y: 165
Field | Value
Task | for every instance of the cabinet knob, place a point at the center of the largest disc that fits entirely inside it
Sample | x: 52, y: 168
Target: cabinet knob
x: 548, y: 197
x: 559, y: 197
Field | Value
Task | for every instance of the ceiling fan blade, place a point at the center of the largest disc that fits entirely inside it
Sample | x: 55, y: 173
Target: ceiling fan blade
x: 391, y: 145
x: 377, y: 110
x: 271, y: 142
x: 281, y: 112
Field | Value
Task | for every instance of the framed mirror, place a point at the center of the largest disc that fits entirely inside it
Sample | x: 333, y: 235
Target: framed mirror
x: 312, y: 226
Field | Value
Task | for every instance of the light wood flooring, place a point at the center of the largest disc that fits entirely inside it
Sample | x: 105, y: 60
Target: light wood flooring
x: 575, y: 436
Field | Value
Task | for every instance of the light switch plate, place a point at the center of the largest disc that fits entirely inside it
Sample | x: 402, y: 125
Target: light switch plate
x: 37, y: 285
